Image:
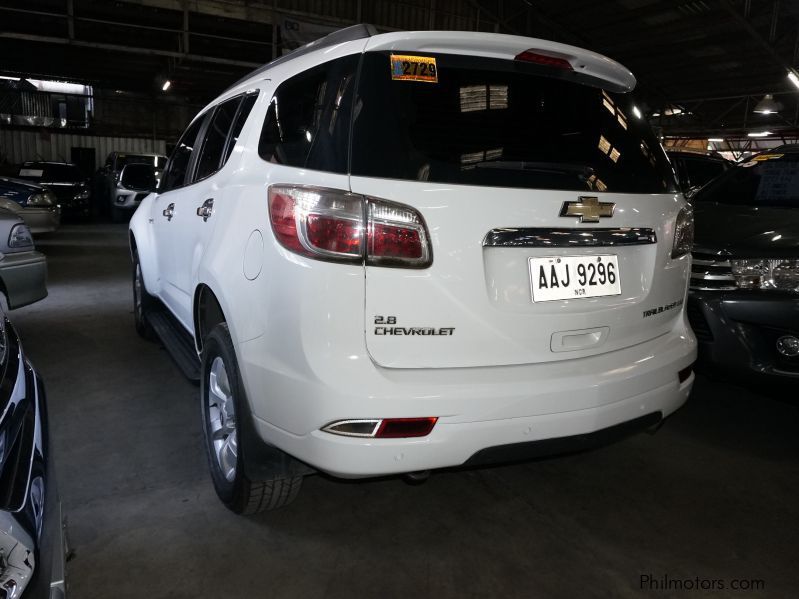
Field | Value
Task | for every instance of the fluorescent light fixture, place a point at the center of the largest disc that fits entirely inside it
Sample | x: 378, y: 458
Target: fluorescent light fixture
x: 636, y: 112
x: 715, y: 139
x: 655, y: 114
x: 767, y: 105
x: 166, y: 85
x: 793, y: 78
x: 759, y: 134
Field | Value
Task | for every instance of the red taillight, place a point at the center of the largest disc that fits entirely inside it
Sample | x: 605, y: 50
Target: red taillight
x: 336, y: 225
x: 388, y: 241
x: 545, y: 60
x: 396, y: 428
x: 396, y: 235
x: 281, y: 213
x: 332, y: 234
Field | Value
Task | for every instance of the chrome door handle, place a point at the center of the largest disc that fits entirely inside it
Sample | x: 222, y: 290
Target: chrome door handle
x: 169, y: 212
x: 206, y: 210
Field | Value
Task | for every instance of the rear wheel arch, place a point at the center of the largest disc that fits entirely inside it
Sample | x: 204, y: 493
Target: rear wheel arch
x: 207, y: 313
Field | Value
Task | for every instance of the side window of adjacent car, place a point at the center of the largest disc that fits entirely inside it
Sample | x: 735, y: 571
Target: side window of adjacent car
x: 308, y: 121
x: 175, y: 175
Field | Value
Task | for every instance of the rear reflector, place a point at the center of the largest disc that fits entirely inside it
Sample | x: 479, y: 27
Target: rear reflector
x: 393, y: 428
x: 684, y: 374
x: 543, y: 59
x: 383, y: 428
x: 335, y: 225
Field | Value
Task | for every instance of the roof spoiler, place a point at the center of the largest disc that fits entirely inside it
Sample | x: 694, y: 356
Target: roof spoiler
x: 348, y: 34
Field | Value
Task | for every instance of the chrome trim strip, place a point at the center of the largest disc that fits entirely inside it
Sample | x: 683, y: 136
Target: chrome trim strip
x: 726, y: 288
x: 718, y: 263
x: 552, y: 237
x: 706, y: 276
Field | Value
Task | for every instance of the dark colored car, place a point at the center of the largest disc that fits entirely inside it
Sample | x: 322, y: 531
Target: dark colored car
x: 744, y: 299
x: 36, y: 205
x: 71, y: 188
x: 32, y: 546
x: 695, y: 168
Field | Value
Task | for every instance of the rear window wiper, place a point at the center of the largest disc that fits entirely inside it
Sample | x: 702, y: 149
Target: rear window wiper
x: 541, y: 167
x: 582, y: 172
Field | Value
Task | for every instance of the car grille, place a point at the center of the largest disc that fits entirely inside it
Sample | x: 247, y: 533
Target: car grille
x: 698, y: 322
x: 710, y: 272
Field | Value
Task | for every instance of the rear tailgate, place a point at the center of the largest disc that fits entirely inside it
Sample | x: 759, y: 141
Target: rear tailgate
x: 474, y: 305
x: 491, y: 144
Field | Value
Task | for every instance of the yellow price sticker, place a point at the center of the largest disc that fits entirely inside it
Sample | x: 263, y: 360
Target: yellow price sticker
x: 414, y: 68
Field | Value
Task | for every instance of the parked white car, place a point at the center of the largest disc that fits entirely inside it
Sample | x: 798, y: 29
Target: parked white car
x: 408, y: 251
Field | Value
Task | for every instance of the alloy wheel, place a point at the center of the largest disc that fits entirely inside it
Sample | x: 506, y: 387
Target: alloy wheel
x: 222, y: 419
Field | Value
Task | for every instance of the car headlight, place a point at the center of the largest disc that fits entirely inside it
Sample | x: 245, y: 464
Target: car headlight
x: 766, y: 273
x: 683, y: 233
x: 40, y: 199
x: 20, y: 236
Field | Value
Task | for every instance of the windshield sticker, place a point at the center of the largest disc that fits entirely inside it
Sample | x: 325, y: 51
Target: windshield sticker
x: 30, y: 172
x: 779, y: 182
x: 767, y: 157
x: 414, y: 68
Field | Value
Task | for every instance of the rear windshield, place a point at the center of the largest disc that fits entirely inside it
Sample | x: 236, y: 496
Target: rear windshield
x: 501, y: 123
x: 50, y: 172
x: 766, y: 180
x: 159, y: 162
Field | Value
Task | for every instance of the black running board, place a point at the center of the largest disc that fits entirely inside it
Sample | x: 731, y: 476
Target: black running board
x: 177, y: 342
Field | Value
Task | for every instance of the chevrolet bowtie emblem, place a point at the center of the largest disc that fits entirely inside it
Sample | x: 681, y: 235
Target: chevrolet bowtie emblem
x: 589, y: 209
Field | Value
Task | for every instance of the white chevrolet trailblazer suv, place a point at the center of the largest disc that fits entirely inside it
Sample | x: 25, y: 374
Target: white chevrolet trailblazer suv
x: 393, y: 253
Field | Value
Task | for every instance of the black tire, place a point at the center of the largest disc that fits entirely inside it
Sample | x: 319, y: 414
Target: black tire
x: 240, y: 494
x: 143, y: 302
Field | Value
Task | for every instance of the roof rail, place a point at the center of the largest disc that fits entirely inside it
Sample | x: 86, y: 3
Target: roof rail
x: 348, y: 34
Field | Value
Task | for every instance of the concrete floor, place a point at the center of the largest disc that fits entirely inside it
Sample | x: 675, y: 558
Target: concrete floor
x: 714, y: 495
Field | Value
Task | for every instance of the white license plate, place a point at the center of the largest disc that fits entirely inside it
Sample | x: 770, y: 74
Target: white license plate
x: 574, y: 277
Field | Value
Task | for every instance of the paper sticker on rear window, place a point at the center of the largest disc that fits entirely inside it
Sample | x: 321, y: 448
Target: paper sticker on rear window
x: 414, y: 68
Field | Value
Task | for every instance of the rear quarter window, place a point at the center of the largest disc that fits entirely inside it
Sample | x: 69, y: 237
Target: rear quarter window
x: 308, y: 121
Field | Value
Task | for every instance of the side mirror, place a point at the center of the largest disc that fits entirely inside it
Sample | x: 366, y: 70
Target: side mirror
x: 138, y: 177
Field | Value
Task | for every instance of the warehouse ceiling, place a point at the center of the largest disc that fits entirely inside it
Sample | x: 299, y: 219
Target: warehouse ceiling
x: 702, y: 65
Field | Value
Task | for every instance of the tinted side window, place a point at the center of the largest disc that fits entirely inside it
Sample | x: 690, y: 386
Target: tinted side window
x: 241, y: 118
x: 175, y: 175
x: 216, y: 135
x: 308, y: 121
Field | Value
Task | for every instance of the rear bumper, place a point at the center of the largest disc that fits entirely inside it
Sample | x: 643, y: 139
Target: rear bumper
x: 24, y: 278
x: 478, y: 408
x: 738, y: 331
x: 41, y: 220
